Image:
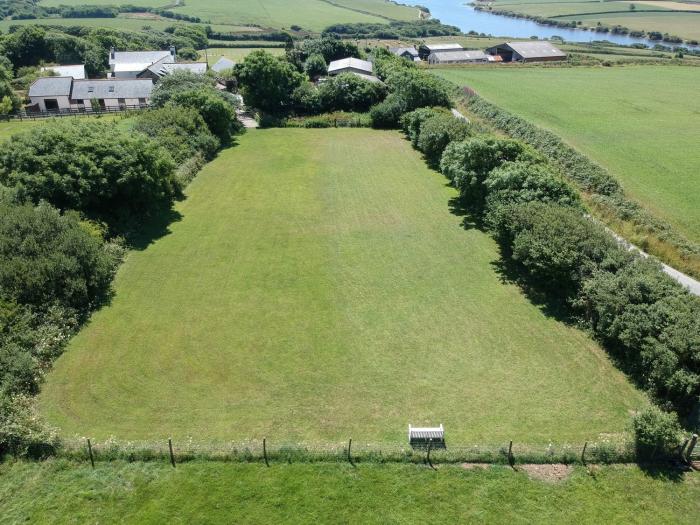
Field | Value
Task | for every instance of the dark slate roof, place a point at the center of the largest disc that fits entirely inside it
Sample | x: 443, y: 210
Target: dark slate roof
x: 222, y: 64
x: 535, y: 49
x: 112, y: 88
x: 51, y: 87
x: 161, y: 68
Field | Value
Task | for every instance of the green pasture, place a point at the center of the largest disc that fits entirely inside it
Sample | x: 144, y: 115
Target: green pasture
x: 315, y: 287
x: 12, y: 127
x: 686, y: 25
x: 236, y: 53
x: 60, y: 492
x: 314, y: 15
x: 637, y: 121
x: 120, y: 22
x: 553, y: 9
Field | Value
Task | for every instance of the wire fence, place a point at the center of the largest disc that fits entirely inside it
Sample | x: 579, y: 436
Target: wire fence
x: 268, y: 451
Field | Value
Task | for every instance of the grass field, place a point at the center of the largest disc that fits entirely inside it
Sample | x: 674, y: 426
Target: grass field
x: 236, y: 53
x: 637, y: 121
x: 676, y: 18
x: 59, y: 492
x: 313, y: 15
x: 317, y: 287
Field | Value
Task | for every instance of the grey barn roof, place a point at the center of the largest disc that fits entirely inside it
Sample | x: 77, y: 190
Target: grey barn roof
x: 459, y: 56
x: 51, y: 87
x: 112, y: 88
x: 161, y: 68
x: 401, y: 50
x: 222, y: 64
x: 74, y: 70
x: 354, y: 63
x: 534, y: 49
x: 137, y: 57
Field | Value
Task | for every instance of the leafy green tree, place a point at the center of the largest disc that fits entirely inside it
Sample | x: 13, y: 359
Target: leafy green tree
x: 306, y: 99
x: 387, y: 114
x: 180, y: 130
x: 268, y: 82
x: 92, y: 167
x: 411, y: 122
x: 348, y: 92
x: 178, y: 82
x: 47, y: 258
x: 315, y: 66
x: 437, y: 132
x: 188, y: 53
x: 468, y: 163
x: 217, y: 113
x: 329, y: 47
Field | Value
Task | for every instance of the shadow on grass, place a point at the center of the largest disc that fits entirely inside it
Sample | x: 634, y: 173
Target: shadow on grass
x: 153, y: 228
x: 673, y: 472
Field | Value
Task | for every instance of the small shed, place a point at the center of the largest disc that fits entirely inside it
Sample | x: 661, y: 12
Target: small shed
x: 409, y: 53
x: 457, y: 57
x: 530, y: 51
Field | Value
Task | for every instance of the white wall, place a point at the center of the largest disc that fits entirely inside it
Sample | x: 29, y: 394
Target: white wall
x: 63, y: 102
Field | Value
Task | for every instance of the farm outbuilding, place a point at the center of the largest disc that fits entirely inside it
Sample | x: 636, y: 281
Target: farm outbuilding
x: 361, y: 68
x: 458, y: 57
x: 409, y: 53
x: 532, y: 51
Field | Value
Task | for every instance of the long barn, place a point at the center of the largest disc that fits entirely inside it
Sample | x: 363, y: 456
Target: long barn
x: 532, y: 51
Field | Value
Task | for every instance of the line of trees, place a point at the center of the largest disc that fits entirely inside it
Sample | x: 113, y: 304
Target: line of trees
x: 647, y: 321
x: 73, y: 196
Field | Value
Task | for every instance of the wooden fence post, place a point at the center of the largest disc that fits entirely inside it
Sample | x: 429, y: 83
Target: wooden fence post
x: 92, y: 460
x: 172, y: 456
x: 265, y: 452
x: 430, y: 445
x: 511, y: 459
x: 583, y: 454
x: 349, y: 455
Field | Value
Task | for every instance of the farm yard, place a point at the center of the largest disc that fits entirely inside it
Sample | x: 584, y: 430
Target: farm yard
x: 316, y: 286
x: 635, y: 120
x: 118, y: 492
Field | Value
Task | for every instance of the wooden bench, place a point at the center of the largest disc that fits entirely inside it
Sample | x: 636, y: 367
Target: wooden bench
x: 424, y: 435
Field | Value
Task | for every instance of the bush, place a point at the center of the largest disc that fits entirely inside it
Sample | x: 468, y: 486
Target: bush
x: 656, y: 433
x: 306, y: 99
x: 178, y: 82
x: 437, y: 132
x: 90, y: 166
x: 47, y: 258
x: 22, y: 432
x: 338, y: 119
x: 417, y: 88
x: 217, y: 113
x: 387, y: 114
x: 412, y: 122
x: 468, y: 163
x: 180, y: 130
x: 348, y: 92
x: 188, y: 53
x: 557, y: 247
x: 652, y: 324
x: 315, y: 66
x: 521, y: 182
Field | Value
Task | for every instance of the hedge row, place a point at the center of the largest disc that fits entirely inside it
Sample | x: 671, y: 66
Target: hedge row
x: 589, y: 176
x: 648, y: 321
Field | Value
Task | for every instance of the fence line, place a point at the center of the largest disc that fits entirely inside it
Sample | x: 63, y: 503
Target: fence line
x: 71, y: 112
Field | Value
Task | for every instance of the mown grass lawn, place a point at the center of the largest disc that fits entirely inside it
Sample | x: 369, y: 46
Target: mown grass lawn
x: 638, y: 121
x: 61, y: 492
x: 317, y: 288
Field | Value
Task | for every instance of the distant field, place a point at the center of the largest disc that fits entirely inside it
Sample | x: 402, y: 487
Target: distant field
x: 313, y: 15
x: 686, y: 25
x: 316, y: 288
x: 7, y: 129
x: 236, y: 53
x: 638, y: 121
x: 134, y: 24
x: 117, y: 492
x: 671, y: 17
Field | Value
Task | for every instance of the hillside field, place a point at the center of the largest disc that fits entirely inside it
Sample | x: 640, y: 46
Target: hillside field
x: 637, y: 121
x: 676, y: 18
x: 61, y: 492
x: 317, y: 287
x: 313, y: 15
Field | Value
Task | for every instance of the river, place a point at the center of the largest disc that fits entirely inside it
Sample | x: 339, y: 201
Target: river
x: 458, y: 13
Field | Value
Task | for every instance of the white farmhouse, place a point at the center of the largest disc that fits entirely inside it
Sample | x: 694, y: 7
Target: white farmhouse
x: 129, y: 64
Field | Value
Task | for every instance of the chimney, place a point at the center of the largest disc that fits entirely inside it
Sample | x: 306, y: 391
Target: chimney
x: 172, y: 52
x: 111, y: 52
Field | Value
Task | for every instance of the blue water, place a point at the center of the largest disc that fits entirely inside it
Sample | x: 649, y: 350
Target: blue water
x: 458, y: 13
